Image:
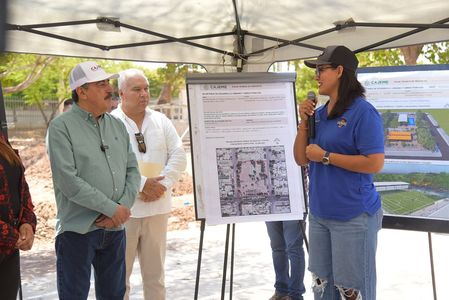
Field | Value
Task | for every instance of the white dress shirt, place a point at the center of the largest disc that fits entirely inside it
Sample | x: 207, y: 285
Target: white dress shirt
x: 164, y: 147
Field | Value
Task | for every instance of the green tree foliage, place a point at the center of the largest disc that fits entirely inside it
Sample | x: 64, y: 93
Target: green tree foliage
x: 380, y: 58
x: 18, y: 72
x: 420, y: 119
x: 439, y: 181
x: 51, y: 85
x: 38, y: 78
x: 425, y: 138
x: 434, y: 53
x: 437, y: 53
x: 390, y: 119
x: 155, y: 83
x: 304, y: 80
x: 172, y: 77
x: 388, y: 116
x: 172, y: 74
x: 111, y: 66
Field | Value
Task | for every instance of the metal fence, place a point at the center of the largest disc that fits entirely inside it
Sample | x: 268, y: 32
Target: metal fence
x: 20, y: 115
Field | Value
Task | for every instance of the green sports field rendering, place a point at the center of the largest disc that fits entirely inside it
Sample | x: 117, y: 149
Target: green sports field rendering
x: 405, y: 202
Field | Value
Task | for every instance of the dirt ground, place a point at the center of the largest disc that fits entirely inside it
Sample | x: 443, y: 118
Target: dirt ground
x: 32, y: 149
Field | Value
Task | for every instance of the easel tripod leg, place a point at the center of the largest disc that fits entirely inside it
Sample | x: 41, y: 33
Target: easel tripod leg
x: 225, y: 262
x: 231, y: 276
x: 200, y: 254
x: 432, y: 269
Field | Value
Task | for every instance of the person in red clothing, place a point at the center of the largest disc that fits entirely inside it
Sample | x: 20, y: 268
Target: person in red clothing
x: 17, y: 219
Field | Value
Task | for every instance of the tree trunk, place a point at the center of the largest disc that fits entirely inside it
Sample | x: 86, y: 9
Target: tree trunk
x: 411, y: 54
x: 165, y: 98
x: 165, y: 95
x: 44, y: 116
x: 54, y: 110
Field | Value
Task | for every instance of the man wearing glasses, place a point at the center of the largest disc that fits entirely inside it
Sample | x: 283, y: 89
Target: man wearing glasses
x: 162, y: 159
x: 96, y: 179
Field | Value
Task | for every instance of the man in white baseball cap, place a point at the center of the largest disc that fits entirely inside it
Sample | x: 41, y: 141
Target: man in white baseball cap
x: 87, y: 72
x: 96, y: 179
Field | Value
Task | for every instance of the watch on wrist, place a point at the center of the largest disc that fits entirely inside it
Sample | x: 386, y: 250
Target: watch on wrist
x: 325, y: 160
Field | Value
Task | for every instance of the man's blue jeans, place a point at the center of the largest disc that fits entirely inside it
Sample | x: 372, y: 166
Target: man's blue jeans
x: 76, y: 253
x: 288, y: 257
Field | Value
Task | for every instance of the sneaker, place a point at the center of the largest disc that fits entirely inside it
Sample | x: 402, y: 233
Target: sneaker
x: 280, y: 296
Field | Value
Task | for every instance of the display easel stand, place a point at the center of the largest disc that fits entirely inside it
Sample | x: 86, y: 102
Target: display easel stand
x: 302, y: 226
x: 200, y: 255
x: 225, y: 260
x: 432, y: 269
x: 230, y: 237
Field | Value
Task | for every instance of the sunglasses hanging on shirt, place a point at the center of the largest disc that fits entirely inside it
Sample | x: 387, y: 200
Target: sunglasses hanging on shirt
x: 141, y: 142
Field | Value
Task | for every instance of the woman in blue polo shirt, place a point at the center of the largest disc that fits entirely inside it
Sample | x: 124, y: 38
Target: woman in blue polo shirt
x: 345, y: 209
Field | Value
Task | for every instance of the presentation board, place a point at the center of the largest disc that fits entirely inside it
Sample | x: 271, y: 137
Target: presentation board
x: 414, y: 183
x: 243, y: 126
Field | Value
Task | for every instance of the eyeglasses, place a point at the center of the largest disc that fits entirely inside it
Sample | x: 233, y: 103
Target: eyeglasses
x: 141, y: 142
x: 101, y: 84
x: 318, y: 70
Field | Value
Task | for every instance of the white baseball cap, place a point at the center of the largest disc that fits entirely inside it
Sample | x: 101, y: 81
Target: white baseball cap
x: 87, y: 72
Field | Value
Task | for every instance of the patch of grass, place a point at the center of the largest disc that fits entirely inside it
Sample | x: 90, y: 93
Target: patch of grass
x: 441, y: 116
x: 405, y: 202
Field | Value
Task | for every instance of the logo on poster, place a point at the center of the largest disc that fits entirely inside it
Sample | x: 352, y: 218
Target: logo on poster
x: 375, y: 82
x: 218, y: 86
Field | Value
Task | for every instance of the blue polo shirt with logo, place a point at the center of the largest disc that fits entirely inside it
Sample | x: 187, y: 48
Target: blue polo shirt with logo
x: 336, y: 193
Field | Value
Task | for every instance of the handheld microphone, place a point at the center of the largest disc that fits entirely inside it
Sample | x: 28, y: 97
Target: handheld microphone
x: 311, y: 120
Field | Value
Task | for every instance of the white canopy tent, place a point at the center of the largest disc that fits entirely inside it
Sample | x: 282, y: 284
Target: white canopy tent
x: 236, y: 34
x: 231, y: 35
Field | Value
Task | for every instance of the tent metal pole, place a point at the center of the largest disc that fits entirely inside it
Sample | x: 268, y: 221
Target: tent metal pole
x: 206, y: 36
x: 397, y: 25
x: 179, y: 40
x: 238, y: 28
x: 419, y: 27
x: 59, y: 24
x: 55, y: 36
x: 397, y: 37
x: 296, y: 41
x: 238, y: 32
x: 275, y: 39
x: 29, y: 28
x: 239, y: 61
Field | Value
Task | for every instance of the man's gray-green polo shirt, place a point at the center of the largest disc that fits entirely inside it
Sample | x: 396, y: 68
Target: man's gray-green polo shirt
x: 94, y: 168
